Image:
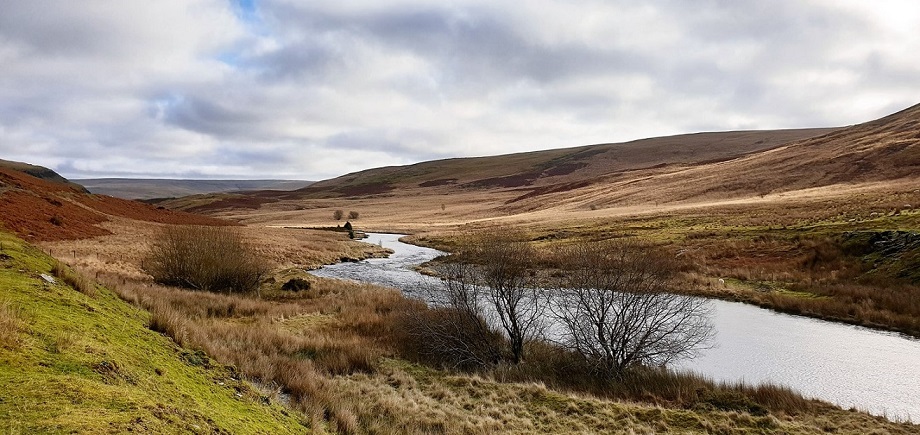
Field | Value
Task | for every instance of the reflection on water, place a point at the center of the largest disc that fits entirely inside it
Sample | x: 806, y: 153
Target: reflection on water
x: 847, y: 365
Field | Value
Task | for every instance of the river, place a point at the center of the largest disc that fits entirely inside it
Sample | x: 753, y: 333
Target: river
x: 847, y: 365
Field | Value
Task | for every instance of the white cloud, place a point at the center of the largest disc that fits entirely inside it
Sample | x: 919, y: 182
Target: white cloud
x: 316, y: 89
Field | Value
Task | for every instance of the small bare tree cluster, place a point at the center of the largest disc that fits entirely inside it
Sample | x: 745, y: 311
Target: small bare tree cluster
x: 612, y: 306
x: 205, y: 258
x: 616, y: 310
x: 489, y: 287
x: 339, y: 214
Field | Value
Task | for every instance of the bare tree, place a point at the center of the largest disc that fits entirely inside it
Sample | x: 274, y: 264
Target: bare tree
x: 615, y: 309
x: 353, y: 215
x: 338, y: 214
x: 506, y: 272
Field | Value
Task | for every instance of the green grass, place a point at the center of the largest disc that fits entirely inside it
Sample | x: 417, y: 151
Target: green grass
x: 71, y: 362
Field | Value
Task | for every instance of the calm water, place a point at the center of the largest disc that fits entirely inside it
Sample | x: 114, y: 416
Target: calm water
x: 847, y: 365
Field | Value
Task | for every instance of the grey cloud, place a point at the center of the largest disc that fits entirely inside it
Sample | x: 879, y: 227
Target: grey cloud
x: 120, y: 89
x: 208, y: 117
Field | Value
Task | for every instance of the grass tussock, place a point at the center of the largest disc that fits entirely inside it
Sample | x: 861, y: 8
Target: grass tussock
x: 74, y: 279
x: 10, y: 325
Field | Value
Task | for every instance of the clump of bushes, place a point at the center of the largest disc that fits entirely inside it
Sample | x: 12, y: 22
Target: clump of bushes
x: 205, y: 258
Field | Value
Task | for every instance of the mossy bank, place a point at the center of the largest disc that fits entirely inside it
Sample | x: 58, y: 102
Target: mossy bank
x: 86, y: 362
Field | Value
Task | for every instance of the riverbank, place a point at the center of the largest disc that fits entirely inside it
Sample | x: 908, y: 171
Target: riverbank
x: 332, y: 355
x: 860, y: 273
x: 752, y: 344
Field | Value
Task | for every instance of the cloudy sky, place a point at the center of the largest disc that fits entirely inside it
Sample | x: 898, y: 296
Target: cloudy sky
x: 312, y: 89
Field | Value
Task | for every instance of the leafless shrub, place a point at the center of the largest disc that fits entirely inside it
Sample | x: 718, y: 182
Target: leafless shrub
x: 616, y: 310
x: 353, y: 215
x: 338, y: 214
x: 449, y: 337
x: 205, y: 258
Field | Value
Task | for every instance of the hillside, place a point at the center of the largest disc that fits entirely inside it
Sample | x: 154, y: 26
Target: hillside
x: 883, y: 150
x: 677, y: 170
x: 39, y: 172
x: 567, y: 165
x: 539, y: 171
x: 42, y: 209
x: 138, y: 188
x: 85, y: 362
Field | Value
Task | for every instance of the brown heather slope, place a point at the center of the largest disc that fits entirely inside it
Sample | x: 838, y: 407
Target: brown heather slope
x: 566, y: 165
x: 51, y: 208
x: 549, y: 170
x: 883, y: 150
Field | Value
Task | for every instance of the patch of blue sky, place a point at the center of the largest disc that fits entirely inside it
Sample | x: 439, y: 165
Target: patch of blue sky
x: 247, y: 11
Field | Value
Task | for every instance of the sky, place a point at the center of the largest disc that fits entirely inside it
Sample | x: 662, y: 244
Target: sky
x: 314, y: 89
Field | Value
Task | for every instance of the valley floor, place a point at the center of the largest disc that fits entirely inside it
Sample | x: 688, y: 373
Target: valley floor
x: 332, y: 356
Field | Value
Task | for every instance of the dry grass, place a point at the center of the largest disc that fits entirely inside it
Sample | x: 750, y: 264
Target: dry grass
x: 811, y: 274
x: 291, y: 346
x: 123, y: 251
x: 321, y: 352
x: 10, y: 326
x: 74, y: 279
x: 333, y: 353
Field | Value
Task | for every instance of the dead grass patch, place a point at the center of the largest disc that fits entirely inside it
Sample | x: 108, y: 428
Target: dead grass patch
x: 74, y: 279
x: 10, y: 326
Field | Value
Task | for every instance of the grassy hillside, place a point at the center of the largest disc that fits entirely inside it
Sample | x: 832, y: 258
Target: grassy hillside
x: 567, y: 164
x: 697, y: 170
x: 76, y: 358
x: 884, y: 150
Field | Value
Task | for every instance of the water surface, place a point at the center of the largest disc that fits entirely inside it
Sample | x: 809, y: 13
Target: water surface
x: 847, y: 365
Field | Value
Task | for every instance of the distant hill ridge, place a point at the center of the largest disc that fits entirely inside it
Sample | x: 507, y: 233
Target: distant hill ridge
x: 153, y: 188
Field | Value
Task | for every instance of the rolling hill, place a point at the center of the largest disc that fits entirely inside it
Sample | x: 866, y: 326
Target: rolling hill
x: 567, y: 165
x: 539, y: 171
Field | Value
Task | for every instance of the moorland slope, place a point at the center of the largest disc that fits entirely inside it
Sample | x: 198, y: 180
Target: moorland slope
x: 48, y: 207
x: 596, y: 181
